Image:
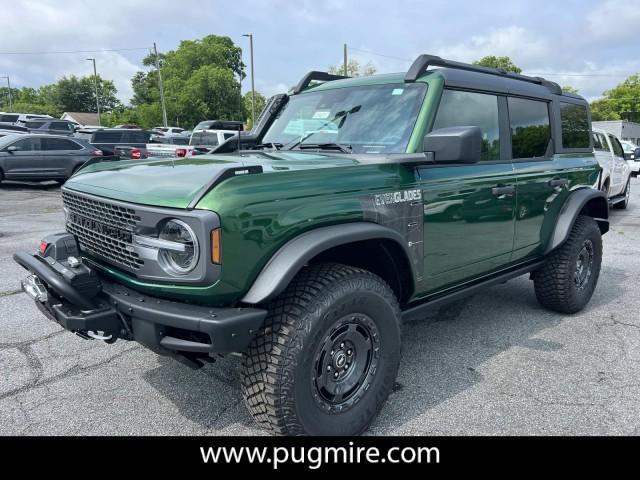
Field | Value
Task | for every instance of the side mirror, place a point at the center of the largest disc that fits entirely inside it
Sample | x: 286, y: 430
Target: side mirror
x: 636, y: 153
x: 12, y: 149
x: 454, y: 144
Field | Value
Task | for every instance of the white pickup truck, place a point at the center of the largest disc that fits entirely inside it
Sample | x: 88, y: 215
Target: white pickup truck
x: 616, y: 172
x: 200, y: 142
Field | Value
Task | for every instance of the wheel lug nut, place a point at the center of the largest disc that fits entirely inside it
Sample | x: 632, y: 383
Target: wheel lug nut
x: 342, y: 345
x: 336, y: 375
x: 349, y: 352
x: 328, y: 368
x: 332, y: 353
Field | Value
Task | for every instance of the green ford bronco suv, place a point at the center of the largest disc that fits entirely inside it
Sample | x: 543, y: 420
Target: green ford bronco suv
x: 355, y: 203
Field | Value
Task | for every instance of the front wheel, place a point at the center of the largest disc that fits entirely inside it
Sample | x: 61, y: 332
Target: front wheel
x: 565, y: 283
x: 327, y: 357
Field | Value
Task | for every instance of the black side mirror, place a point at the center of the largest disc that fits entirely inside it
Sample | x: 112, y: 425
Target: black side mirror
x: 454, y: 144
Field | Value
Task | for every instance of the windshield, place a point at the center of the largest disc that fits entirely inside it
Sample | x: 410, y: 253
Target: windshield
x: 204, y: 138
x: 368, y: 119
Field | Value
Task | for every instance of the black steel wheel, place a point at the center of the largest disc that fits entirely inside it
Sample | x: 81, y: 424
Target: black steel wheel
x: 327, y: 358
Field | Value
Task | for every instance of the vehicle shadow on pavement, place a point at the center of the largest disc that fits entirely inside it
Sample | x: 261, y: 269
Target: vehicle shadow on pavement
x: 11, y: 185
x: 442, y: 356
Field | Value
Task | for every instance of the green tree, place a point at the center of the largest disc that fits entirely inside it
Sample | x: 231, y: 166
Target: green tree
x: 261, y: 101
x: 621, y: 102
x: 354, y: 69
x: 201, y: 81
x: 74, y: 94
x: 569, y: 89
x: 492, y: 61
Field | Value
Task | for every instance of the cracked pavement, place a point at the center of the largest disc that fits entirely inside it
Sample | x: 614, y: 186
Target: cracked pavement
x: 493, y: 364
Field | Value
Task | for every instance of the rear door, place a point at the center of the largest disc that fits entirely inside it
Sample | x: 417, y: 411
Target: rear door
x: 618, y: 177
x: 604, y: 155
x: 468, y: 208
x: 59, y: 156
x: 541, y: 177
x: 25, y: 162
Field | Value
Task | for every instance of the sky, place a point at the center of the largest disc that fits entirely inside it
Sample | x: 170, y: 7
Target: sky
x: 591, y: 44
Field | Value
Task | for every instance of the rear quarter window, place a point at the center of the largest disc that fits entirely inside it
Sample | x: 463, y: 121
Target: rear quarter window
x: 574, y: 121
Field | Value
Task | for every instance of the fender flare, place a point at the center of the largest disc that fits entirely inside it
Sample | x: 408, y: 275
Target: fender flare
x: 570, y: 211
x: 283, y: 266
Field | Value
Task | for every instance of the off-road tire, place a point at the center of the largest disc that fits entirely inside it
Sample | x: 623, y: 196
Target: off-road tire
x: 279, y: 369
x: 624, y: 203
x: 556, y: 282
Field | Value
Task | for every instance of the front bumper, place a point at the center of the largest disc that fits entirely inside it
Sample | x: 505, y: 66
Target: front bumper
x: 166, y: 327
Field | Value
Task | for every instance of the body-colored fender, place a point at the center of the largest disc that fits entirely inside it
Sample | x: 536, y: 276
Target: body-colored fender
x: 295, y: 254
x: 586, y: 200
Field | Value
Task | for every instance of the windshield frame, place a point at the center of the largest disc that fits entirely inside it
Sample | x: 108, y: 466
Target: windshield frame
x: 339, y: 113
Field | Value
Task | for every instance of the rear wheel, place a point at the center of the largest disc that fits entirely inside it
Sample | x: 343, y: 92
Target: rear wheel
x: 623, y: 204
x: 327, y: 357
x: 565, y: 283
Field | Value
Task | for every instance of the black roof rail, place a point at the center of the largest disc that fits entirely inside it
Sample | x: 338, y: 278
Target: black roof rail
x: 420, y: 65
x: 315, y: 76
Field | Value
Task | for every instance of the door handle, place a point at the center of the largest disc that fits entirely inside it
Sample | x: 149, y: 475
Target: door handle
x: 500, y: 190
x: 558, y: 182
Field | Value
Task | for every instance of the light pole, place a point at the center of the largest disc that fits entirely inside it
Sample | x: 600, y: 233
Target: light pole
x: 95, y: 81
x: 160, y: 86
x: 253, y: 86
x: 9, y: 85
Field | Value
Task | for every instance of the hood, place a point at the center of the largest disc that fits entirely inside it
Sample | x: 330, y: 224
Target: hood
x: 175, y: 182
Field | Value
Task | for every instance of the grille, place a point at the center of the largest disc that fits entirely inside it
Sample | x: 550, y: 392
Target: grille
x: 102, y: 228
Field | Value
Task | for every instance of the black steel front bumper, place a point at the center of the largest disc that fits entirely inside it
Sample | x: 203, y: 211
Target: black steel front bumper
x: 166, y: 327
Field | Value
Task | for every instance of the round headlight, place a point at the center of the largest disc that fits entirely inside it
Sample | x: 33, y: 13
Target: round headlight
x: 174, y: 261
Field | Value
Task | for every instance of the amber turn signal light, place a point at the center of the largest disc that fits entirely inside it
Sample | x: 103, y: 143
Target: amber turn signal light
x: 216, y: 247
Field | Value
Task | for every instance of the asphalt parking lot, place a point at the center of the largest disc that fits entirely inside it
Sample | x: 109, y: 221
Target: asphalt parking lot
x: 494, y: 364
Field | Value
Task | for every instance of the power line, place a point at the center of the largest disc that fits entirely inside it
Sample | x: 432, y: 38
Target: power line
x: 77, y: 51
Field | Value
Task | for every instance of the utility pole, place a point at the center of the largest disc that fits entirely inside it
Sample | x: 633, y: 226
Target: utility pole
x: 9, y: 85
x: 345, y: 60
x: 253, y: 85
x: 95, y: 83
x: 164, y: 107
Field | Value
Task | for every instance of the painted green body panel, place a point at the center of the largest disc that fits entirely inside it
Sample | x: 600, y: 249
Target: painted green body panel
x: 468, y: 232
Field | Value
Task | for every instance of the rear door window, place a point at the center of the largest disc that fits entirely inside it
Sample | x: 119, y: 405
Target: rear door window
x: 530, y: 128
x: 63, y: 126
x: 574, y: 121
x: 107, y: 136
x: 8, y: 118
x: 34, y: 123
x: 136, y: 137
x: 53, y: 144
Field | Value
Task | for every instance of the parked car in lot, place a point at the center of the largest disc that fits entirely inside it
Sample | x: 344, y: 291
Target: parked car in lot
x: 212, y: 133
x: 11, y: 129
x: 634, y: 162
x: 306, y: 250
x: 9, y: 117
x: 52, y: 127
x: 24, y: 117
x: 616, y: 171
x: 37, y: 157
x: 128, y: 142
x: 177, y: 146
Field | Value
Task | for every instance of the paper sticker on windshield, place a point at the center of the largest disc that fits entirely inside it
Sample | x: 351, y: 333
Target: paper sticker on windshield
x: 397, y: 91
x: 321, y: 114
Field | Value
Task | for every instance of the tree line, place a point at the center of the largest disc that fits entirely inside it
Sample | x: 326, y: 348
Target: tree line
x: 202, y: 80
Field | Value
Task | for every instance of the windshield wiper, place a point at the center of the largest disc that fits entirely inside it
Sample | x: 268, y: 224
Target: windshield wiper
x: 342, y: 115
x: 343, y: 147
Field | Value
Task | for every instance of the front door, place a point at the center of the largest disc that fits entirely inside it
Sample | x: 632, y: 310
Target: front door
x: 468, y: 208
x: 24, y: 162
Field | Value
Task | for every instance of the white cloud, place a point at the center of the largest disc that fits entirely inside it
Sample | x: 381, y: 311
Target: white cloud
x: 615, y: 19
x: 522, y: 46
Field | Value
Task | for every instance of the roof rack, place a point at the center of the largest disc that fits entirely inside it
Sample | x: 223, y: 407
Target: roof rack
x: 420, y: 65
x: 315, y: 76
